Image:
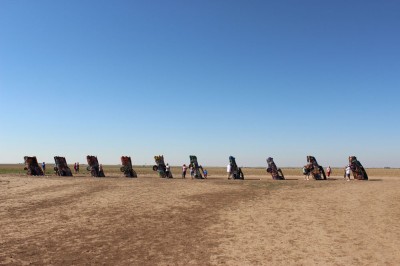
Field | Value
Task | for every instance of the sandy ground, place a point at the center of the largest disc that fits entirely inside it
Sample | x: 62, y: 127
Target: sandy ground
x: 153, y: 221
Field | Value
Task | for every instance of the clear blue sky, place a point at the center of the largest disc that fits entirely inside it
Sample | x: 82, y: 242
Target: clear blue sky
x: 250, y: 79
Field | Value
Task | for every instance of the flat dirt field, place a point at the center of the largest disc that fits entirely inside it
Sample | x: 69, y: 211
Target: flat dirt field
x: 152, y: 221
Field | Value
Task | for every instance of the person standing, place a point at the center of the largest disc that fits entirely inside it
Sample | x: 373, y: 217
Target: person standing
x: 192, y: 171
x: 44, y: 167
x: 328, y: 171
x: 77, y: 167
x: 167, y: 171
x: 229, y: 170
x: 347, y: 172
x: 184, y: 169
x: 205, y: 173
x: 306, y: 173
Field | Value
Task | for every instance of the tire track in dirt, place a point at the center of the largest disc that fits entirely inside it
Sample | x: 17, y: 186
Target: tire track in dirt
x: 53, y: 201
x: 42, y: 188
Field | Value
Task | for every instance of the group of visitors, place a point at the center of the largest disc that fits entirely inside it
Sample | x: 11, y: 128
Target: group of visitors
x: 76, y: 167
x: 192, y: 171
x: 347, y: 172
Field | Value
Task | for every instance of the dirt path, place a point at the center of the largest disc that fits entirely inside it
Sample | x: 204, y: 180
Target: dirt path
x: 152, y: 221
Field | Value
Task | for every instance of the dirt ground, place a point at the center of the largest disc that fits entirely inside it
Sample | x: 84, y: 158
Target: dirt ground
x: 153, y: 221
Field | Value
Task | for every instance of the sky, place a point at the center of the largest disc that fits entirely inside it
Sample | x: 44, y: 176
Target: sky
x: 251, y: 79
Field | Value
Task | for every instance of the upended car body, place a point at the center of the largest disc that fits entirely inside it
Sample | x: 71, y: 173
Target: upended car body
x: 32, y: 167
x: 127, y: 168
x: 61, y: 167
